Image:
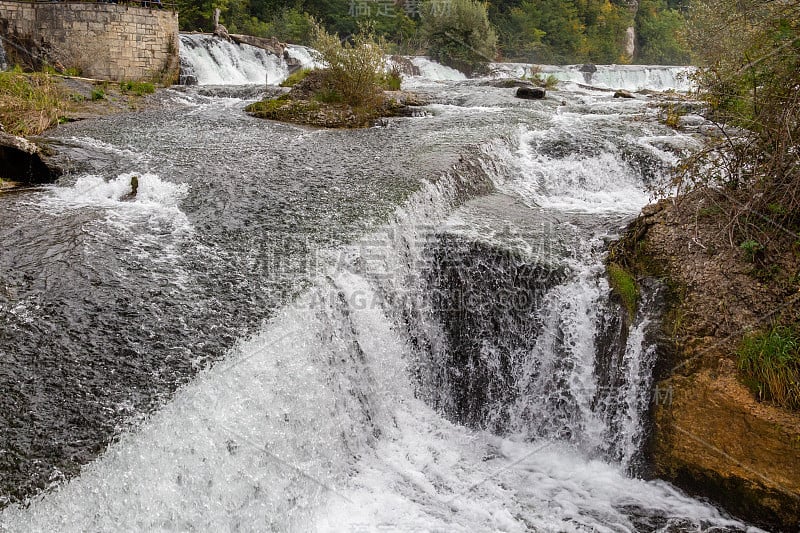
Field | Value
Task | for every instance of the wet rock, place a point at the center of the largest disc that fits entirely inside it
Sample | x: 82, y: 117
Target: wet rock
x: 271, y: 45
x: 588, y: 68
x: 508, y: 83
x: 131, y: 196
x: 405, y: 65
x: 711, y: 435
x: 23, y: 161
x: 531, y: 93
x: 622, y: 94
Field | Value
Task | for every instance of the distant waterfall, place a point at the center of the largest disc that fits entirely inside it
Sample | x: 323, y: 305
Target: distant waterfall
x: 627, y: 77
x: 209, y: 60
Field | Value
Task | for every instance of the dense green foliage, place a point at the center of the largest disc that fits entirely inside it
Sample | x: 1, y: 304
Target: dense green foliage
x: 538, y: 31
x: 770, y: 365
x: 459, y: 34
x: 576, y: 31
x: 658, y: 29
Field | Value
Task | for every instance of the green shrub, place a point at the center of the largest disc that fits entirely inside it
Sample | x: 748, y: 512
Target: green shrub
x: 392, y: 80
x: 752, y: 249
x: 770, y: 365
x: 459, y: 34
x: 624, y: 285
x: 536, y: 77
x: 139, y: 88
x: 98, y: 94
x: 29, y: 103
x: 352, y: 69
x: 295, y: 77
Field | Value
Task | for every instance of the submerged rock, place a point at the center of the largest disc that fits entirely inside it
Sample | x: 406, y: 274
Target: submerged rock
x: 508, y: 83
x: 531, y: 93
x: 622, y: 94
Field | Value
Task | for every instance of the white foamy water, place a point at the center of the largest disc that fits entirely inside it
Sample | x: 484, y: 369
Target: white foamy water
x: 214, y: 61
x: 627, y: 77
x: 91, y: 190
x: 321, y: 420
x: 312, y: 425
x: 432, y: 71
x: 578, y: 163
x: 152, y: 221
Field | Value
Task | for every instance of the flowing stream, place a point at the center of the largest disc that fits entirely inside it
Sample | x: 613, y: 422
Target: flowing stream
x: 402, y: 328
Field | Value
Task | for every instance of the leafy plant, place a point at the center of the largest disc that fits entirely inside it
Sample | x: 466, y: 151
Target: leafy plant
x: 353, y: 67
x: 769, y: 362
x: 751, y: 249
x: 535, y: 76
x: 459, y: 34
x: 98, y: 94
x: 391, y: 80
x: 29, y: 103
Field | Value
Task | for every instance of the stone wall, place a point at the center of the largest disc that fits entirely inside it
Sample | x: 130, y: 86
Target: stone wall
x: 101, y: 40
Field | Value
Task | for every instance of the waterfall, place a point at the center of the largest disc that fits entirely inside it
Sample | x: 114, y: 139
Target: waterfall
x: 209, y: 60
x: 627, y: 77
x: 404, y: 328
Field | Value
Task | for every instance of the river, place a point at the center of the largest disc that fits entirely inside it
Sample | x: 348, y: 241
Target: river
x: 401, y: 328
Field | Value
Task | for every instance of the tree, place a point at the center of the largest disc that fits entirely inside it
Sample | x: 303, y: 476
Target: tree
x: 658, y: 29
x: 749, y: 51
x: 459, y: 34
x: 606, y: 25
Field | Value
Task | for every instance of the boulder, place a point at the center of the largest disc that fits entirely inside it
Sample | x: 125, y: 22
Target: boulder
x: 531, y: 93
x: 222, y: 32
x: 622, y: 94
x: 588, y: 68
x: 21, y: 161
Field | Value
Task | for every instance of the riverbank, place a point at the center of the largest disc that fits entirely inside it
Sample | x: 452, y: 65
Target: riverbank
x: 717, y: 433
x: 32, y: 103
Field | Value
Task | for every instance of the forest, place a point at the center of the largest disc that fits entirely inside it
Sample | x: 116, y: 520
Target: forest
x: 537, y: 31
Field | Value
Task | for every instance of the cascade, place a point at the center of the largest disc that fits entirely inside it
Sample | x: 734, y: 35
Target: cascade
x: 399, y: 328
x: 209, y: 60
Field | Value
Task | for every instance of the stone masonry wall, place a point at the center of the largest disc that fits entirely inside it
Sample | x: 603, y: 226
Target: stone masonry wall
x: 101, y: 40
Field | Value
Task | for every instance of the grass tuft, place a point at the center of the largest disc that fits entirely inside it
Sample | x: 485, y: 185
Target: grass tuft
x: 295, y: 77
x: 29, y: 103
x: 139, y: 88
x: 769, y: 362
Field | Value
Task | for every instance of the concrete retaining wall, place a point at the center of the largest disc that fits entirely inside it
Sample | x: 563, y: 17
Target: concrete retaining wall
x: 106, y: 41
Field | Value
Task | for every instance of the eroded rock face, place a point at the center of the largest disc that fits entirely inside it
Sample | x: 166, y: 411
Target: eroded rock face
x: 711, y: 436
x: 713, y: 439
x: 21, y: 161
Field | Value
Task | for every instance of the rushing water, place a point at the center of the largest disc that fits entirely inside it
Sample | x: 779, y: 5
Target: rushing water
x: 404, y: 328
